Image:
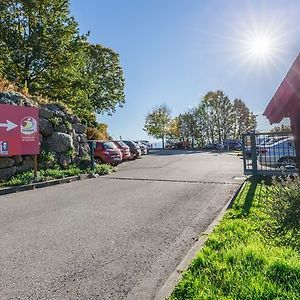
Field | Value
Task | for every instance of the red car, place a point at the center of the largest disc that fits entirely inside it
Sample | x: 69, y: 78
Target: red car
x: 124, y: 150
x: 108, y: 152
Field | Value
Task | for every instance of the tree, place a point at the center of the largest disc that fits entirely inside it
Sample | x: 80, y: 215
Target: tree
x: 39, y: 44
x: 157, y: 122
x: 188, y: 126
x: 45, y: 54
x: 100, y: 132
x: 173, y: 133
x: 105, y: 77
x: 218, y: 111
x: 243, y: 119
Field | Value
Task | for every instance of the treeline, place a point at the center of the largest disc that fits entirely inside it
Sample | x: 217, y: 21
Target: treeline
x: 215, y: 119
x: 43, y: 52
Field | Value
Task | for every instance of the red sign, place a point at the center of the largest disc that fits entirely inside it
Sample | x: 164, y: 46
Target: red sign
x: 19, y: 131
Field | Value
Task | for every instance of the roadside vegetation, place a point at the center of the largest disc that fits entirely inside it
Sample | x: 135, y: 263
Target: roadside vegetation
x: 254, y: 253
x: 44, y: 54
x: 214, y: 120
x: 50, y: 174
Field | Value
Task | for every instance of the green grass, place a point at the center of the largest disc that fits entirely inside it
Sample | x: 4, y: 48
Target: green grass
x: 240, y: 260
x: 50, y: 174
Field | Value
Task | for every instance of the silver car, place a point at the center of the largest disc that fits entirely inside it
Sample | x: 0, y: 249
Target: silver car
x: 279, y: 154
x: 144, y: 149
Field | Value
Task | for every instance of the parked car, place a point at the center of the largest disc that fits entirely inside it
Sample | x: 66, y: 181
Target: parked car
x: 147, y: 144
x: 124, y: 149
x: 215, y: 146
x: 135, y: 149
x: 183, y: 145
x: 261, y: 143
x: 278, y: 154
x: 143, y: 148
x: 108, y: 152
x: 232, y: 145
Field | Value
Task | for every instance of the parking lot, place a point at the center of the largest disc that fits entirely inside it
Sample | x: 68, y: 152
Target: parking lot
x: 114, y: 237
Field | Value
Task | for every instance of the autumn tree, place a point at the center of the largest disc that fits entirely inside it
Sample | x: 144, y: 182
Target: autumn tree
x: 173, y: 133
x: 218, y: 112
x: 188, y: 126
x: 242, y: 119
x: 99, y: 132
x: 157, y: 122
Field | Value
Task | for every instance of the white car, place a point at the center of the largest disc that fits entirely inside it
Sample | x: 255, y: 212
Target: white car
x: 280, y: 154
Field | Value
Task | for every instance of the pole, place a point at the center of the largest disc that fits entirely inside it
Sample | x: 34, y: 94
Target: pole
x: 254, y: 153
x: 92, y: 155
x: 35, y: 167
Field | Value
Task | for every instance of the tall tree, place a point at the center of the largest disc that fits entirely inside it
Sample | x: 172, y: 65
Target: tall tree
x: 173, y: 133
x: 45, y: 54
x: 218, y: 110
x: 39, y: 43
x: 243, y: 119
x: 157, y: 122
x: 188, y: 126
x: 105, y: 79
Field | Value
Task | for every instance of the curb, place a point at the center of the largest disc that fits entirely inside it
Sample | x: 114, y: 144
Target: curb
x: 165, y: 291
x: 38, y: 185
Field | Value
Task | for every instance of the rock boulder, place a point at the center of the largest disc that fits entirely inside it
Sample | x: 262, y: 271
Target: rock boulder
x: 60, y: 142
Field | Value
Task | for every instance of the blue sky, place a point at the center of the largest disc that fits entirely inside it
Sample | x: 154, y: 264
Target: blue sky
x: 174, y: 51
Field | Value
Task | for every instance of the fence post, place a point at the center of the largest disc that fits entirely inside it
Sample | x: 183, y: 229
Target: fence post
x: 244, y: 152
x: 253, y: 153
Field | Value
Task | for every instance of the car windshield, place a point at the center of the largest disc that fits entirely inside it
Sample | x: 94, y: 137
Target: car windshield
x: 109, y: 145
x: 122, y: 144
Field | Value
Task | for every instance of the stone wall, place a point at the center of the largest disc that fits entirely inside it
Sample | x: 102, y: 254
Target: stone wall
x: 62, y: 135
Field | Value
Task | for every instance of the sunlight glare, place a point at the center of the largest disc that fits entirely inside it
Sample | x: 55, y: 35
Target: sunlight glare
x: 260, y: 46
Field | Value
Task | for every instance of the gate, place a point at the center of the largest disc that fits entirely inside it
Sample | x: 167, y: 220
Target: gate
x: 271, y: 153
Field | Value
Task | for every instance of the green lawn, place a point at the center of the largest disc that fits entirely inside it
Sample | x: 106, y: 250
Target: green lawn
x: 248, y: 256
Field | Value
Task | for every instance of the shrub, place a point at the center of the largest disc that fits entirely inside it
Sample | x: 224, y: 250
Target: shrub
x: 98, y: 133
x: 283, y: 208
x: 19, y: 179
x: 103, y: 169
x: 47, y: 157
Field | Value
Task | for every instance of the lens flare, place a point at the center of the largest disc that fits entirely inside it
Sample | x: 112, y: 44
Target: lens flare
x: 260, y: 46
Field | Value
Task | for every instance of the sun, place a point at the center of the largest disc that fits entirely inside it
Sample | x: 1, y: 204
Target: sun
x: 260, y: 46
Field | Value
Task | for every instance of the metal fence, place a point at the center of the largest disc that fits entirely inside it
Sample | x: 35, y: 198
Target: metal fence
x: 271, y: 153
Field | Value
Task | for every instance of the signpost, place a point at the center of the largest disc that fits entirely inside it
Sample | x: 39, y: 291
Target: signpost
x: 19, y: 132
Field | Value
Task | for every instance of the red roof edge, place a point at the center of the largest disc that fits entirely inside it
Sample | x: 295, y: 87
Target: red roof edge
x: 289, y: 89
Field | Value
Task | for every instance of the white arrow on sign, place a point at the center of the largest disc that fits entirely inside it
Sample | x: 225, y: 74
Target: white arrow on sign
x: 9, y: 125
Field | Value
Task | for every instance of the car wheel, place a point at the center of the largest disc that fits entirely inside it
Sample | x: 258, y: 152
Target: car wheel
x: 286, y: 161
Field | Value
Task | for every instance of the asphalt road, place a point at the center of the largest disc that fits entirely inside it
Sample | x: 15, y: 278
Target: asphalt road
x: 114, y: 237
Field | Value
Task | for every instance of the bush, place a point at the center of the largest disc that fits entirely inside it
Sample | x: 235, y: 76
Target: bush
x: 103, y: 169
x: 57, y: 173
x: 19, y: 179
x: 98, y: 133
x: 283, y: 208
x: 237, y: 261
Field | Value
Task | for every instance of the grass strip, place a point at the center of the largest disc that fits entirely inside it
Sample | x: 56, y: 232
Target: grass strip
x: 50, y: 174
x: 239, y: 260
